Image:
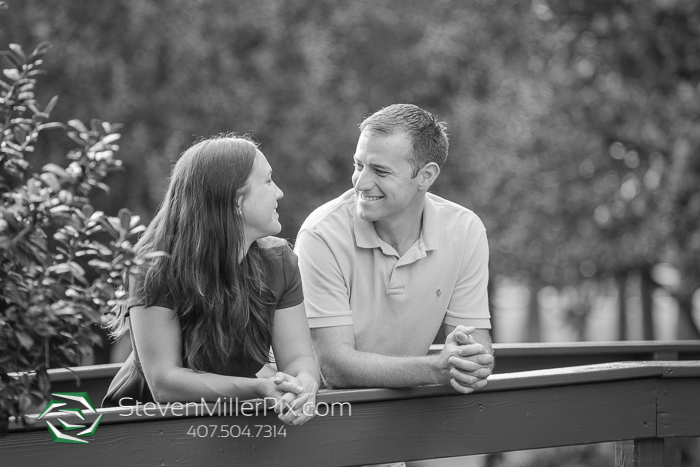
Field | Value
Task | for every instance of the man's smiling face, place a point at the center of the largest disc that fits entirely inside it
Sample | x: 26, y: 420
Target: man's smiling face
x: 383, y: 176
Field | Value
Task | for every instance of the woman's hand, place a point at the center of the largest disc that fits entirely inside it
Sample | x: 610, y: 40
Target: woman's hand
x: 297, y: 408
x: 291, y: 343
x: 284, y: 394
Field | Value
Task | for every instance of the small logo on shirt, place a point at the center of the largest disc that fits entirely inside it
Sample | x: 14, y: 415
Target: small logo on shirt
x: 438, y: 292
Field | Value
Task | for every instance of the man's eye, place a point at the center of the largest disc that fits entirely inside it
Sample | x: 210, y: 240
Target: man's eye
x: 382, y: 173
x: 357, y: 166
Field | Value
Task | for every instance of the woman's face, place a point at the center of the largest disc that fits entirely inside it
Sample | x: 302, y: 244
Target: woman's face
x: 259, y: 205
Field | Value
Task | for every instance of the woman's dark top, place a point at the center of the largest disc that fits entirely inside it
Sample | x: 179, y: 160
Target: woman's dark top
x: 283, y: 280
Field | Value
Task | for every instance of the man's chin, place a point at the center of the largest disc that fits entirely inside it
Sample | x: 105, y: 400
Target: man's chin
x: 366, y: 215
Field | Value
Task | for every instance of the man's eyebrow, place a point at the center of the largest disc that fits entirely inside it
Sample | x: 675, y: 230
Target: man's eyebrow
x: 381, y: 167
x: 374, y: 165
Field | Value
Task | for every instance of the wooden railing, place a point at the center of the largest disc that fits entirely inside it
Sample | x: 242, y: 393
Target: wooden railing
x: 509, y: 358
x: 642, y: 405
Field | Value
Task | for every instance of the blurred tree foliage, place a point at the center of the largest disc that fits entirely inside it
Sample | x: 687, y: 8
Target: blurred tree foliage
x: 573, y: 124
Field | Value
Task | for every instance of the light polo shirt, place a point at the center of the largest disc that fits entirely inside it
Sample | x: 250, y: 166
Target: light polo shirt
x: 396, y: 305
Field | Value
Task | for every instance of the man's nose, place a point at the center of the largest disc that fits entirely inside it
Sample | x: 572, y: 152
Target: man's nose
x: 280, y: 193
x: 363, y: 180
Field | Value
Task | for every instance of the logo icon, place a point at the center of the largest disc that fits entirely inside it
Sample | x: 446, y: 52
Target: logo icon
x: 57, y: 435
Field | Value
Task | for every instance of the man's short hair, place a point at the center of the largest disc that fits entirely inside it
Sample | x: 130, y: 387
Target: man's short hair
x: 429, y: 142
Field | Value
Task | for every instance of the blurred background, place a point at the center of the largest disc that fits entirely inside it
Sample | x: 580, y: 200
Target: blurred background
x: 574, y: 131
x: 574, y: 127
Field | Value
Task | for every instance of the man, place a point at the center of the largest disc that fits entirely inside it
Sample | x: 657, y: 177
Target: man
x: 387, y: 263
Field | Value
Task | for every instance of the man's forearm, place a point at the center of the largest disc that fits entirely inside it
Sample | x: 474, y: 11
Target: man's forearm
x: 349, y: 368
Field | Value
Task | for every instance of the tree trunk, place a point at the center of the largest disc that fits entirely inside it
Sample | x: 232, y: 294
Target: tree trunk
x: 687, y: 329
x: 621, y: 280
x: 532, y: 328
x: 647, y: 286
x: 491, y: 290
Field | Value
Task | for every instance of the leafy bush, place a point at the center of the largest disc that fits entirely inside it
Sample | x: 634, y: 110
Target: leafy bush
x: 62, y: 262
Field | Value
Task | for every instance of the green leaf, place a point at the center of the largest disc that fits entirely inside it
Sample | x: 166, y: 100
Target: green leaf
x: 49, y: 126
x: 33, y: 186
x: 76, y: 269
x: 20, y: 134
x: 17, y: 121
x: 137, y: 230
x: 66, y: 310
x: 11, y: 73
x: 112, y: 225
x: 87, y: 211
x: 25, y: 340
x: 60, y: 208
x: 125, y: 219
x: 51, y: 180
x: 55, y: 169
x: 78, y: 125
x: 51, y: 105
x: 111, y: 138
x: 76, y: 137
x: 59, y: 268
x: 98, y: 264
x: 96, y: 216
x: 11, y: 58
x: 39, y: 50
x: 16, y: 48
x: 103, y: 186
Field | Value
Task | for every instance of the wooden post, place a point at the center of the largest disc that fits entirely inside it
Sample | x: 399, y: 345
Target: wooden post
x: 640, y: 453
x: 621, y: 280
x: 672, y: 452
x: 532, y: 333
x: 646, y: 289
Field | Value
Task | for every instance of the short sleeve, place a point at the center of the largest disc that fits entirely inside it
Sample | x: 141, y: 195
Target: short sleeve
x: 469, y: 304
x: 326, y: 296
x: 292, y: 293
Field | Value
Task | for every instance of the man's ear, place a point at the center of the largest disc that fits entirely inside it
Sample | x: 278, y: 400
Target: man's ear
x: 427, y: 175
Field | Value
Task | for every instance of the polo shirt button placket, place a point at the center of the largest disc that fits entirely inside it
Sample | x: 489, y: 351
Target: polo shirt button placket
x: 396, y: 282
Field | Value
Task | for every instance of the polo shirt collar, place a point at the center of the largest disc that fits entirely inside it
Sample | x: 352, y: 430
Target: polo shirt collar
x: 366, y: 236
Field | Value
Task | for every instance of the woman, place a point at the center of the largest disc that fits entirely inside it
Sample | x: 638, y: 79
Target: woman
x: 204, y: 314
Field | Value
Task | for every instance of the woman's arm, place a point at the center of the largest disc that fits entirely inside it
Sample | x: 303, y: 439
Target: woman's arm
x: 291, y: 343
x: 158, y: 338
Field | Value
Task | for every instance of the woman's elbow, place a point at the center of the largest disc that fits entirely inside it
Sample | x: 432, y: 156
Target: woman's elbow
x: 160, y: 394
x: 160, y: 390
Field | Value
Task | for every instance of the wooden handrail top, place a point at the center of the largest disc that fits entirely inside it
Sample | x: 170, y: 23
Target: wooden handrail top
x: 107, y: 370
x: 588, y: 348
x: 501, y: 350
x: 586, y: 374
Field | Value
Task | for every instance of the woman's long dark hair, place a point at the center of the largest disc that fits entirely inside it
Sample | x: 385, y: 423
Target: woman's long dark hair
x: 223, y: 304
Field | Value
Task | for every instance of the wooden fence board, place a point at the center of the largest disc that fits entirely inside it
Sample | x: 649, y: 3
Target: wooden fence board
x: 648, y: 403
x: 679, y: 407
x: 379, y: 431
